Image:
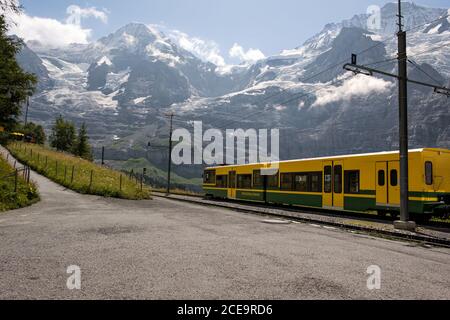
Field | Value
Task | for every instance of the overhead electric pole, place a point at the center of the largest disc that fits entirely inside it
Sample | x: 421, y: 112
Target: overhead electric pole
x: 403, y: 80
x: 26, y: 111
x: 169, y: 166
x: 169, y: 163
x: 404, y: 222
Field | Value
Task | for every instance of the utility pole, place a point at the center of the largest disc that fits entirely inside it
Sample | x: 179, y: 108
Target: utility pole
x: 169, y: 166
x: 26, y: 110
x: 404, y: 222
x: 403, y: 80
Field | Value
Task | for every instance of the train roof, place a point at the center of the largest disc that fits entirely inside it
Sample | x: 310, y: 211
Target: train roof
x: 339, y: 157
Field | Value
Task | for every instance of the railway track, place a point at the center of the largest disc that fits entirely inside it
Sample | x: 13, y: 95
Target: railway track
x: 318, y: 211
x: 431, y: 232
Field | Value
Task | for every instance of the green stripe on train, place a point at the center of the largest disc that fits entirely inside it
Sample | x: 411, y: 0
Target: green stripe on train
x: 219, y: 193
x: 358, y: 203
x: 250, y: 195
x: 310, y: 200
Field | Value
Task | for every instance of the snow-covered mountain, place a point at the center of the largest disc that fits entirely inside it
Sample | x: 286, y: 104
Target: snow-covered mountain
x: 123, y: 83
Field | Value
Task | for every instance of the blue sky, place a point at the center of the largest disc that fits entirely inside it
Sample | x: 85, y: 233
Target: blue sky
x: 267, y: 25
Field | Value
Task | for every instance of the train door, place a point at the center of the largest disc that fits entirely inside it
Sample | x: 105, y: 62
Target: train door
x: 333, y: 194
x: 381, y: 183
x: 394, y: 183
x: 264, y: 178
x: 232, y: 185
x: 327, y: 196
x: 338, y: 183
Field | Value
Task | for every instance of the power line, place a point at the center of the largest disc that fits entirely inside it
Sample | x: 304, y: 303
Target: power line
x: 423, y: 71
x: 334, y: 66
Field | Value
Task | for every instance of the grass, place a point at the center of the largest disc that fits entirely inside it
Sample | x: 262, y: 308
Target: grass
x: 139, y: 163
x: 177, y: 191
x: 61, y: 167
x: 25, y: 195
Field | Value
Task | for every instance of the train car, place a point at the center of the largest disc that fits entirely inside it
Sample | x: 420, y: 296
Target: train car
x: 360, y: 182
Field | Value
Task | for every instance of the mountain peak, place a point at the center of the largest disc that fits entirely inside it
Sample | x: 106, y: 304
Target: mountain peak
x: 139, y: 31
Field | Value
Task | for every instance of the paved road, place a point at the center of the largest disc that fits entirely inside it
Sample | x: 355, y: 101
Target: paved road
x: 164, y: 249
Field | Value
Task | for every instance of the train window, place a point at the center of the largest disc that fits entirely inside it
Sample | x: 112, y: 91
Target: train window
x: 209, y: 177
x: 286, y: 181
x: 381, y: 178
x: 338, y: 179
x: 301, y: 182
x: 221, y: 181
x: 272, y: 181
x: 327, y: 179
x: 394, y: 178
x: 351, y: 181
x: 429, y: 173
x: 244, y: 181
x: 257, y: 179
x: 316, y: 182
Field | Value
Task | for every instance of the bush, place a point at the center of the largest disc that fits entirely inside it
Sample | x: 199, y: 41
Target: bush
x: 25, y: 195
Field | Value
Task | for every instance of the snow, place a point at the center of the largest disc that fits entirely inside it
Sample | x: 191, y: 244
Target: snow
x: 140, y: 99
x: 129, y: 39
x: 435, y: 29
x: 115, y: 80
x: 70, y: 88
x: 153, y: 51
x: 104, y: 60
x: 376, y: 37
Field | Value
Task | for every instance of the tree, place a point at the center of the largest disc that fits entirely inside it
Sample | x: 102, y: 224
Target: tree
x: 15, y: 84
x: 34, y: 131
x: 82, y: 147
x: 63, y: 135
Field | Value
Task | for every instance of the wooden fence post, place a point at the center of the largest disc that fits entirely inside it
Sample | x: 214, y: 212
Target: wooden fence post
x: 120, y: 182
x: 90, y: 182
x: 56, y: 168
x: 46, y: 160
x: 15, y: 180
x: 65, y: 172
x: 28, y: 176
x: 73, y: 169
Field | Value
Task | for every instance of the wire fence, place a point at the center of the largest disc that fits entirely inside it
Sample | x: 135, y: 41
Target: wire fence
x: 77, y: 172
x: 23, y: 172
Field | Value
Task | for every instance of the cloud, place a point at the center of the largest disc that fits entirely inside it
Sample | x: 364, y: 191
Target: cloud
x: 204, y: 49
x: 251, y: 56
x: 76, y: 13
x: 54, y: 33
x: 359, y: 85
x: 49, y: 32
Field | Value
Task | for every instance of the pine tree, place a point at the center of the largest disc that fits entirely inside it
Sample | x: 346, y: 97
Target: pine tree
x: 63, y: 136
x: 15, y: 84
x: 82, y: 147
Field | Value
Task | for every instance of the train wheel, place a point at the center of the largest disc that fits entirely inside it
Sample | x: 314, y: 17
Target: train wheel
x: 394, y: 215
x: 382, y: 213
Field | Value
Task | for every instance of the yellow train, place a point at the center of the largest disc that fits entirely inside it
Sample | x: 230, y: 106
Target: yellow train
x: 361, y: 182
